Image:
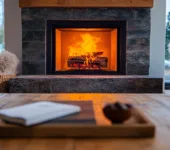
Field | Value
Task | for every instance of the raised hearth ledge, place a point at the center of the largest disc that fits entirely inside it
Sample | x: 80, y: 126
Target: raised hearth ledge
x: 85, y: 84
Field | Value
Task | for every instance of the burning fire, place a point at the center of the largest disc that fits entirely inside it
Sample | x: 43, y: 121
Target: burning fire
x: 87, y: 45
x: 84, y: 54
x: 86, y: 49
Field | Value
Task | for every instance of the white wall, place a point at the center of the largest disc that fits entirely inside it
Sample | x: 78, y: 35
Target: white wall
x: 157, y: 47
x: 13, y: 37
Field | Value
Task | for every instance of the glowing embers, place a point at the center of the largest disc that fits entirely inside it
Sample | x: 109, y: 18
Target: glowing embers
x: 85, y: 54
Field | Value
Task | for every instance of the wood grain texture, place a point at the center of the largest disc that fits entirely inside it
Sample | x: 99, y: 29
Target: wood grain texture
x: 155, y: 106
x: 85, y: 3
x: 137, y: 126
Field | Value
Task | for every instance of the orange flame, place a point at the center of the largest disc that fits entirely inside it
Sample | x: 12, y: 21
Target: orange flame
x: 87, y: 45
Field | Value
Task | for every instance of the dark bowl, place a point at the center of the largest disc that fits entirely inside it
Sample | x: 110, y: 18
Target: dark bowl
x: 116, y: 115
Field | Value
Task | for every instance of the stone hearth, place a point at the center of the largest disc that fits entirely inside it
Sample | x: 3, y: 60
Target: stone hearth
x: 85, y: 84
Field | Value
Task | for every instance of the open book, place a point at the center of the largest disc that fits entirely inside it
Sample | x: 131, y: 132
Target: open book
x: 38, y: 112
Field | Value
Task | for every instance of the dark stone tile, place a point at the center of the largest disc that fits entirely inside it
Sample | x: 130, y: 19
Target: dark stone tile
x: 142, y: 13
x: 138, y: 34
x: 111, y: 13
x: 143, y: 85
x: 60, y: 85
x: 59, y: 13
x: 125, y: 14
x: 138, y: 56
x: 33, y: 25
x: 80, y: 13
x: 77, y: 85
x: 137, y: 68
x: 149, y: 85
x: 33, y: 51
x: 33, y: 13
x: 100, y: 85
x: 138, y: 44
x: 83, y: 85
x: 28, y: 36
x: 30, y: 85
x: 33, y: 67
x: 136, y: 25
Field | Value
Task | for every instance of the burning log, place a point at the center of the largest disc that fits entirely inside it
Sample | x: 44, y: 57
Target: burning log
x: 83, y: 61
x: 102, y: 61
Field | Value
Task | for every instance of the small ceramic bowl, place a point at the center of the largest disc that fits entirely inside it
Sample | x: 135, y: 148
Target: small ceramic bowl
x: 116, y: 114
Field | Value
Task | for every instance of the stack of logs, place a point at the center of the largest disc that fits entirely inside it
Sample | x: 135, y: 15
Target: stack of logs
x: 93, y: 61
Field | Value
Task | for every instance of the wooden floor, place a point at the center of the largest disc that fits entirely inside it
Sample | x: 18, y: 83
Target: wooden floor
x: 155, y: 106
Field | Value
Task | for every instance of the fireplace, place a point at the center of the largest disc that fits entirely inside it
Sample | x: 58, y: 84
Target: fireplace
x: 39, y: 27
x: 53, y: 42
x: 86, y: 47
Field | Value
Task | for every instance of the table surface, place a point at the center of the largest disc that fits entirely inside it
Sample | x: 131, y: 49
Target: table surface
x: 155, y: 106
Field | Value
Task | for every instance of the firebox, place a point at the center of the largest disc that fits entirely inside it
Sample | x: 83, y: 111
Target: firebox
x: 86, y: 47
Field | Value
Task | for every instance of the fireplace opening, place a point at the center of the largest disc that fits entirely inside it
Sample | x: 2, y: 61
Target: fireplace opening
x: 86, y: 47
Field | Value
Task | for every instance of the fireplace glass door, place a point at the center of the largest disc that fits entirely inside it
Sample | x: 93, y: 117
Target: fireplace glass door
x: 85, y: 47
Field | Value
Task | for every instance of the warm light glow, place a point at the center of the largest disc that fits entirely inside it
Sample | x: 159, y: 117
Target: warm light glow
x: 86, y: 49
x: 85, y: 53
x: 87, y: 45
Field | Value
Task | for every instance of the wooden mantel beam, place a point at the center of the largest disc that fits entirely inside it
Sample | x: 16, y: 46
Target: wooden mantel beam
x: 86, y: 3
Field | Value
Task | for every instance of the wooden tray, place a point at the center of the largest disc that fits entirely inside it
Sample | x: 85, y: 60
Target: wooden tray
x: 83, y: 125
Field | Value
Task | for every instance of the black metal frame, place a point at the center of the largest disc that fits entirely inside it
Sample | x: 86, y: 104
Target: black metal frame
x: 50, y: 45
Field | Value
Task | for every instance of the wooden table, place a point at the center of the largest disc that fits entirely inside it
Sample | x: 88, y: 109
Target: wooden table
x: 155, y: 106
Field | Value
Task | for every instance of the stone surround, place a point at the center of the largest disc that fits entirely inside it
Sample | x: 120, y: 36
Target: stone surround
x: 34, y: 27
x: 85, y: 84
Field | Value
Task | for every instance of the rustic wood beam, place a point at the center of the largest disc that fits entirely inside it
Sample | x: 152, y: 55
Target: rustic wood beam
x: 86, y: 3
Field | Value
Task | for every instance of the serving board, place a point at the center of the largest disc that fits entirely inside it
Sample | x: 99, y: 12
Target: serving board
x: 83, y: 124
